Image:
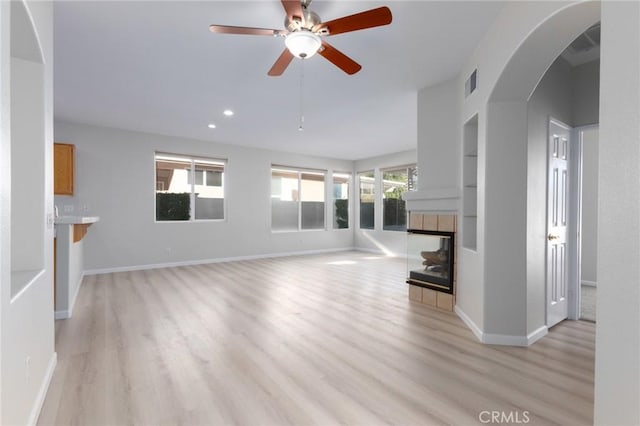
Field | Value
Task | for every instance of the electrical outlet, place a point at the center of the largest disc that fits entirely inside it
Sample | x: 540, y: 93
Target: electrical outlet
x: 68, y: 208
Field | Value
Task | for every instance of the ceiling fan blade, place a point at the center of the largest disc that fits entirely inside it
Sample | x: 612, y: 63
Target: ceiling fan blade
x: 339, y: 59
x: 293, y: 8
x: 359, y: 21
x: 281, y: 63
x: 228, y: 29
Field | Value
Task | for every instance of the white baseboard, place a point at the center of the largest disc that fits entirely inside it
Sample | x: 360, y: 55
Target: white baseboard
x: 62, y: 314
x: 500, y: 339
x: 368, y: 250
x: 536, y: 335
x: 215, y: 260
x: 468, y: 322
x: 68, y: 313
x: 42, y: 392
x: 589, y: 283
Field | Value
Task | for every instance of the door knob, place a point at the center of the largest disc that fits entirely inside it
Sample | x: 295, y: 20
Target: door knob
x: 552, y: 237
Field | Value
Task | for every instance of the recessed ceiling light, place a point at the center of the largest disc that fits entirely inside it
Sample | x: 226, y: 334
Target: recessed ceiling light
x: 228, y: 112
x: 211, y: 126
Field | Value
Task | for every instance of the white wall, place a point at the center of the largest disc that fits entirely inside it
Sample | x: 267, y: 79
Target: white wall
x: 439, y: 134
x: 27, y: 354
x: 393, y: 243
x: 5, y: 177
x: 27, y: 173
x: 617, y: 380
x: 115, y: 180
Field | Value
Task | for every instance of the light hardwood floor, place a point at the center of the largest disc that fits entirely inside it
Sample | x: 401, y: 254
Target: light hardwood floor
x: 325, y: 339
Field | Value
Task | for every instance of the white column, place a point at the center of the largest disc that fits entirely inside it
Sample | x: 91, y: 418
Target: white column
x: 617, y: 375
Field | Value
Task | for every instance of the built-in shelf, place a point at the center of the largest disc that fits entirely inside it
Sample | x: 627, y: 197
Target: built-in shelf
x: 27, y: 208
x: 470, y: 184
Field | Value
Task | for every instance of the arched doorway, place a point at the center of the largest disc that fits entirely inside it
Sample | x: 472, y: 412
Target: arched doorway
x: 515, y: 181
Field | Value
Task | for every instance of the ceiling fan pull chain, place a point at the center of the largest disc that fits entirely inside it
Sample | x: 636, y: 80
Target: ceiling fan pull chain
x: 301, y: 125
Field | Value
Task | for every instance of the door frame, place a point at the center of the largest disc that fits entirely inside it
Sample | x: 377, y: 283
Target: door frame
x: 574, y: 237
x: 575, y: 275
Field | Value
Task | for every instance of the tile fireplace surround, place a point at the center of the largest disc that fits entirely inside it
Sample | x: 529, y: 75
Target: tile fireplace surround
x: 435, y: 222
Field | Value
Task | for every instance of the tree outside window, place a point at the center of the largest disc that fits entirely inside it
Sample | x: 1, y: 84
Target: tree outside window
x: 367, y: 187
x: 395, y: 182
x: 341, y: 200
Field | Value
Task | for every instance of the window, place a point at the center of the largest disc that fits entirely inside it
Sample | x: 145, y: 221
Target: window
x: 206, y: 177
x: 396, y: 182
x: 189, y: 188
x: 297, y: 199
x: 341, y: 200
x: 367, y: 184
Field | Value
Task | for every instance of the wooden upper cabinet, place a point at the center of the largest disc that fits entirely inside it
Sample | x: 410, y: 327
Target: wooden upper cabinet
x: 63, y: 167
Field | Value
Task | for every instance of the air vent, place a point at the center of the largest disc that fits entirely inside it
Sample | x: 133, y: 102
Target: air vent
x: 585, y: 48
x: 594, y: 34
x: 581, y: 43
x: 587, y: 40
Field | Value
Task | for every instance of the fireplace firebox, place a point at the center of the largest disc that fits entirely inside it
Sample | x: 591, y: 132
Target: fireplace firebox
x: 430, y: 259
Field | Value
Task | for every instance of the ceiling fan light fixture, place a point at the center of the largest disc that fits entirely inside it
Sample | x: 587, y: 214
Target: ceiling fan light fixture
x: 303, y: 43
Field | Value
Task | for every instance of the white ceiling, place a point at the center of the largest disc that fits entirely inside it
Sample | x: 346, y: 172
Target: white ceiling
x: 153, y: 66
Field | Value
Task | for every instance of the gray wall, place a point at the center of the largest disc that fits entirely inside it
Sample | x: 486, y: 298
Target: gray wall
x: 569, y: 94
x: 115, y: 180
x: 552, y: 98
x: 589, y: 232
x: 585, y: 87
x: 617, y: 371
x: 586, y: 103
x: 438, y: 135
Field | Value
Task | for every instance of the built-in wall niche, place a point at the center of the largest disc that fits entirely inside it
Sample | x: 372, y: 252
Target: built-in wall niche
x: 27, y: 153
x: 470, y: 184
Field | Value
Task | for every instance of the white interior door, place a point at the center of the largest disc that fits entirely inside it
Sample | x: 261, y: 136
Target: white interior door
x: 557, y: 223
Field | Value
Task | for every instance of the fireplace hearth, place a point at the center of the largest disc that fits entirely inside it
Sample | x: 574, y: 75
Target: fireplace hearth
x: 430, y: 259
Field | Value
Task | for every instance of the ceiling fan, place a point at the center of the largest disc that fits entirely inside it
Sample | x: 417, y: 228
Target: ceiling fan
x: 304, y: 32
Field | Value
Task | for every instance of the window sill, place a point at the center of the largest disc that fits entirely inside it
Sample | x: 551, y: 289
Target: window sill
x: 192, y: 221
x: 297, y: 231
